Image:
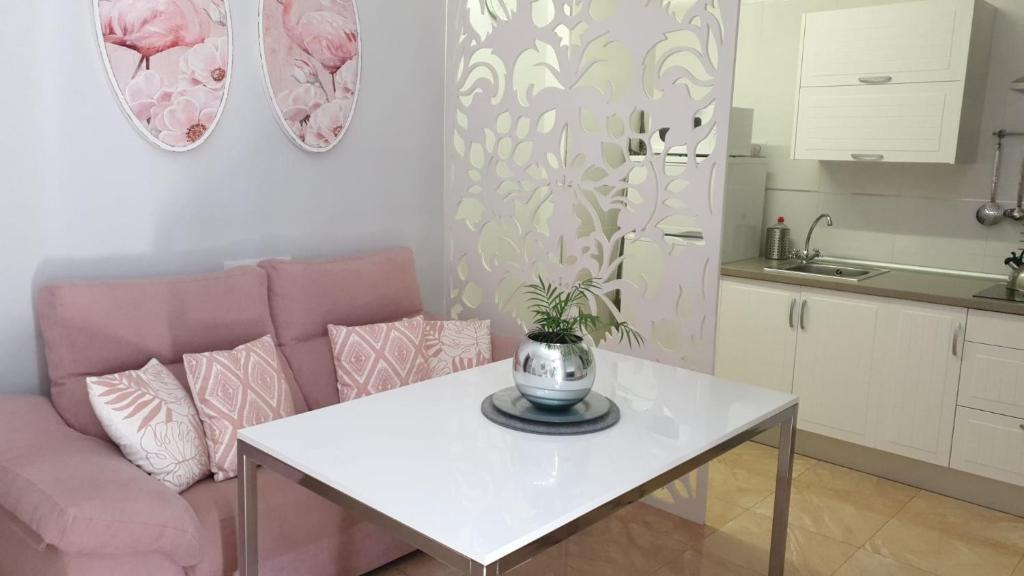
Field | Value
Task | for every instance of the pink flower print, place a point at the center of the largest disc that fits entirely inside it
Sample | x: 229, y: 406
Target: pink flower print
x: 326, y: 124
x: 145, y: 94
x: 298, y: 105
x: 153, y: 26
x: 346, y: 78
x: 207, y: 64
x: 189, y: 116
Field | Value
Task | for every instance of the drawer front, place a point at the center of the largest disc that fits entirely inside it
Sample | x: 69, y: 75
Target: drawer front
x: 993, y: 379
x: 1005, y: 330
x: 893, y: 123
x: 924, y: 41
x: 989, y: 445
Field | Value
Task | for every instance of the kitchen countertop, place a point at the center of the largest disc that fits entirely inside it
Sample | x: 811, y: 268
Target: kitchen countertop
x: 949, y: 289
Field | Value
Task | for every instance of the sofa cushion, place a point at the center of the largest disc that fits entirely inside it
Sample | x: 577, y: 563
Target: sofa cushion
x: 307, y: 296
x: 151, y: 417
x: 299, y: 532
x: 235, y: 389
x: 97, y: 328
x: 454, y: 345
x: 80, y: 495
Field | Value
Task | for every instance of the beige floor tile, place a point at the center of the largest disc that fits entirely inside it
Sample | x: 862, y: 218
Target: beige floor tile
x: 721, y: 513
x: 693, y: 563
x: 865, y: 563
x: 1020, y: 569
x: 551, y: 562
x: 842, y: 504
x: 949, y: 537
x: 636, y: 540
x: 745, y: 541
x: 746, y: 475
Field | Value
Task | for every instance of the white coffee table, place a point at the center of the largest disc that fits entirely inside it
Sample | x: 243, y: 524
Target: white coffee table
x: 424, y: 463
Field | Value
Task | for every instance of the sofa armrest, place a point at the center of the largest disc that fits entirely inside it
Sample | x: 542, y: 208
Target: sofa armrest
x: 79, y: 494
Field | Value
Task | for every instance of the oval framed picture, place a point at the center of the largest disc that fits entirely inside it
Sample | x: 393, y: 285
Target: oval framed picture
x: 311, y: 52
x: 170, y: 65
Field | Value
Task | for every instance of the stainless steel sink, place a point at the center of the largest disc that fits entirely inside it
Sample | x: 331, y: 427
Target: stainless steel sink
x: 847, y: 273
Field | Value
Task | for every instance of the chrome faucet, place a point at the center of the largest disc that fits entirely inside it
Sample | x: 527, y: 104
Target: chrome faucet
x: 806, y: 255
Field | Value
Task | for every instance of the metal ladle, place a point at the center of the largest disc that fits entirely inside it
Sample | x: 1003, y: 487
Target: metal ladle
x: 1017, y: 213
x: 991, y: 212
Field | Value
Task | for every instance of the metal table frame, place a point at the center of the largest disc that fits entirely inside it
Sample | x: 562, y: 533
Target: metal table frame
x: 250, y: 457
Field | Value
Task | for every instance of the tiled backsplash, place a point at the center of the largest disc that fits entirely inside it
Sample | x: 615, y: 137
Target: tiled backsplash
x: 929, y: 232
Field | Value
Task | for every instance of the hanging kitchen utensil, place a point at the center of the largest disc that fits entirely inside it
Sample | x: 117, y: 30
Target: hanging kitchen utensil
x: 1017, y: 213
x: 991, y: 212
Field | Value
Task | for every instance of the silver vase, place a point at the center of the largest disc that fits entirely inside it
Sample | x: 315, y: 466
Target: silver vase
x: 553, y: 376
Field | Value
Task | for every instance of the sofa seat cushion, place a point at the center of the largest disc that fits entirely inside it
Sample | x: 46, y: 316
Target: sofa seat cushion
x: 97, y: 328
x: 299, y: 532
x: 81, y: 496
x: 305, y: 297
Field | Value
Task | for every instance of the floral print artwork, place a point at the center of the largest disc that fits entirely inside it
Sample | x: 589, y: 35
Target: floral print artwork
x: 311, y: 53
x: 152, y: 418
x: 170, y: 64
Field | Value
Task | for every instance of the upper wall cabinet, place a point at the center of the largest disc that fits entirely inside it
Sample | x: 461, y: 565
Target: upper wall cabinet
x: 893, y: 83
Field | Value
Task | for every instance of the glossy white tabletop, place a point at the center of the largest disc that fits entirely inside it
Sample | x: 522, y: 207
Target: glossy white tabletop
x: 425, y: 456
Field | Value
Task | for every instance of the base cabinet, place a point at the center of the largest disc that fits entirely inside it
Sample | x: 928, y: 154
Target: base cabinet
x: 757, y: 334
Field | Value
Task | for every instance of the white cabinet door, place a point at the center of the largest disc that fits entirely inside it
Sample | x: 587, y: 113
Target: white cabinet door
x: 757, y: 333
x: 989, y: 445
x: 834, y: 361
x: 892, y: 123
x: 919, y: 352
x: 925, y: 41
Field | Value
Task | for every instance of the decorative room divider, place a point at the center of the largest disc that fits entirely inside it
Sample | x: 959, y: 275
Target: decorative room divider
x: 581, y: 142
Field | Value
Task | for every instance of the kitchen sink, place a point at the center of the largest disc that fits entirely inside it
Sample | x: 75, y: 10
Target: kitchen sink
x: 834, y: 271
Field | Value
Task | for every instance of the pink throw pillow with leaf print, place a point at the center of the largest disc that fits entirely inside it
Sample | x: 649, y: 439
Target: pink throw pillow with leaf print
x: 150, y: 416
x: 378, y: 357
x: 454, y: 345
x: 235, y: 389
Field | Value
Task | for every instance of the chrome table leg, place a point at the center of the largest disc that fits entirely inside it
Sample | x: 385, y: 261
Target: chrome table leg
x: 783, y: 487
x: 248, y: 556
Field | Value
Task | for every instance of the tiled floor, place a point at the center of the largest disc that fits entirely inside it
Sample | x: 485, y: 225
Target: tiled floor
x: 842, y: 522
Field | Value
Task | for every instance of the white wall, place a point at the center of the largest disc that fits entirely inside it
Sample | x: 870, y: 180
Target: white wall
x: 84, y: 196
x: 919, y: 214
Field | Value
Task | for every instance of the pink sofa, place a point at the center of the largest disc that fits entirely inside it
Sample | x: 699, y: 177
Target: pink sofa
x: 71, y: 504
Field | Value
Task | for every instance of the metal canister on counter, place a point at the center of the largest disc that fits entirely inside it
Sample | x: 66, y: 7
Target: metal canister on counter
x: 776, y: 241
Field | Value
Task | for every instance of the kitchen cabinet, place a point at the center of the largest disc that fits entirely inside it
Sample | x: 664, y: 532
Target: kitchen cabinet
x: 757, y: 333
x: 873, y: 371
x: 993, y: 379
x: 834, y: 361
x: 901, y: 82
x: 920, y: 347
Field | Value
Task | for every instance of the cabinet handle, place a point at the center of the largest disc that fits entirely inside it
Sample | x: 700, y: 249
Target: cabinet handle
x: 792, y: 308
x: 803, y: 315
x: 956, y: 339
x: 868, y: 157
x: 875, y: 79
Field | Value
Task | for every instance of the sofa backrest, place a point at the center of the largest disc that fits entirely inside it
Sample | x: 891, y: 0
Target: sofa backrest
x: 97, y: 328
x: 307, y: 296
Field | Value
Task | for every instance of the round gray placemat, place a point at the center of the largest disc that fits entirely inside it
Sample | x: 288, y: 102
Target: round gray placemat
x: 547, y: 428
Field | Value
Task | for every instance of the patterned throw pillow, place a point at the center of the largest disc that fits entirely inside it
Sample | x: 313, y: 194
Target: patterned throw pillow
x: 150, y: 416
x: 378, y: 357
x: 455, y: 345
x: 235, y: 389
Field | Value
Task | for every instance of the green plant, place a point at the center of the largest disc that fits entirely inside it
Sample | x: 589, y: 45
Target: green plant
x: 562, y: 316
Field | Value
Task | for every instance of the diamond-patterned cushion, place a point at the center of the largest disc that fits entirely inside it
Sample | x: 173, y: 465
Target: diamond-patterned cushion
x: 235, y: 389
x: 454, y: 345
x: 378, y: 357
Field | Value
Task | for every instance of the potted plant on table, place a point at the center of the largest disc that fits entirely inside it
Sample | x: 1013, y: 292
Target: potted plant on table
x: 554, y: 366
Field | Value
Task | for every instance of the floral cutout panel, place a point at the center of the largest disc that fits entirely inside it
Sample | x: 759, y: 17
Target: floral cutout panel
x: 311, y: 51
x: 151, y: 417
x: 170, y: 65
